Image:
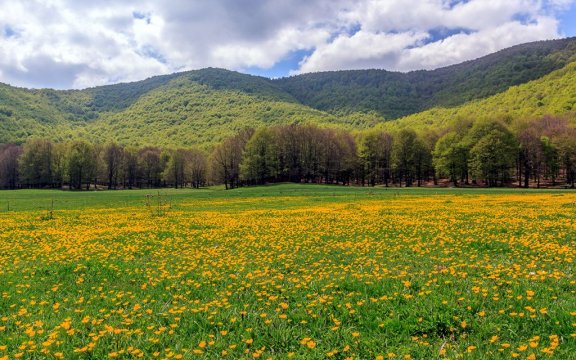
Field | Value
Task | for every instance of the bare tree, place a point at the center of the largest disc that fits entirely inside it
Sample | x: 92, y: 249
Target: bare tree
x: 226, y: 158
x: 81, y: 164
x: 113, y: 158
x: 9, y: 155
x: 152, y: 165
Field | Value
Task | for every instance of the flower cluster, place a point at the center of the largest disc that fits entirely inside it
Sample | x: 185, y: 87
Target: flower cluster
x: 369, y: 276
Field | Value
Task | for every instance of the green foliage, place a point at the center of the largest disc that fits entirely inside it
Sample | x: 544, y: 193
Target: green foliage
x: 409, y: 157
x: 220, y: 79
x: 23, y: 114
x: 186, y: 113
x: 36, y: 163
x: 375, y: 150
x: 553, y: 94
x: 192, y: 108
x: 450, y: 157
x: 492, y: 157
x: 259, y: 163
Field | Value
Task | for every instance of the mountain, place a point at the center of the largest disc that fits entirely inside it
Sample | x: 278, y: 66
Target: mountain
x: 204, y: 106
x: 553, y: 94
x: 393, y: 94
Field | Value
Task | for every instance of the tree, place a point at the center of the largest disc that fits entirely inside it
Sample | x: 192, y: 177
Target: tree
x: 450, y: 157
x: 408, y: 157
x: 482, y: 128
x: 530, y: 155
x: 36, y: 163
x: 226, y: 158
x: 551, y: 159
x: 339, y: 156
x: 196, y: 167
x: 99, y: 168
x: 174, y: 173
x: 259, y: 160
x: 9, y: 156
x: 479, y: 130
x: 59, y: 164
x: 376, y: 155
x: 567, y: 155
x: 492, y: 157
x: 151, y: 165
x: 81, y: 164
x: 422, y: 160
x: 130, y: 167
x: 311, y: 151
x: 543, y: 144
x: 113, y: 158
x: 290, y: 163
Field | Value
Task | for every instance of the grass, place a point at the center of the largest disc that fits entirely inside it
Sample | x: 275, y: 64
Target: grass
x: 284, y: 271
x: 30, y: 200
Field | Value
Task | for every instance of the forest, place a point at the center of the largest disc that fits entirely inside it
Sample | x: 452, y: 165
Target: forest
x: 537, y: 153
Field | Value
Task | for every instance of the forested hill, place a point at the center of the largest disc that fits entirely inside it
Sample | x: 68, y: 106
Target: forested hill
x: 195, y: 107
x: 204, y: 106
x: 394, y: 94
x: 553, y: 94
x: 185, y: 112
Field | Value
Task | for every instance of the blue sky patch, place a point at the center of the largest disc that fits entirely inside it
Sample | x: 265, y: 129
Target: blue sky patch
x: 283, y: 67
x: 441, y: 33
x: 9, y: 32
x: 141, y: 16
x: 150, y: 52
x: 452, y: 3
x: 568, y: 21
x: 524, y: 19
x: 354, y: 29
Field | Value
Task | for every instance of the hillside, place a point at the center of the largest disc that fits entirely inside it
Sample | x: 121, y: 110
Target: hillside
x: 203, y: 106
x: 553, y: 94
x: 393, y: 94
x: 185, y: 112
x: 196, y: 107
x: 24, y: 113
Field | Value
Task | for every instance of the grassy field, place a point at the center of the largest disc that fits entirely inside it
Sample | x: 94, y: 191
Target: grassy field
x: 286, y: 271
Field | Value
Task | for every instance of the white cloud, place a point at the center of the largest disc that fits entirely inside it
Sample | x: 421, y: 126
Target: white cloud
x: 461, y: 47
x: 80, y: 43
x: 397, y: 36
x: 362, y: 50
x: 94, y: 48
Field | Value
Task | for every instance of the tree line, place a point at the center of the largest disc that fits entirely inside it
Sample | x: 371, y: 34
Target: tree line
x: 78, y: 165
x: 536, y: 153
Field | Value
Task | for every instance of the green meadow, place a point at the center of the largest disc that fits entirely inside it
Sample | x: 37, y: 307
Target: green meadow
x: 288, y: 271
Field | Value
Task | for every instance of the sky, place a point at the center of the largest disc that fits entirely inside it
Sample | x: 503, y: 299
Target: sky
x: 72, y: 44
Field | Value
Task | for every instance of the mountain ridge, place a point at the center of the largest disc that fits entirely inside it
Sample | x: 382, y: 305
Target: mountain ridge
x: 465, y: 81
x: 206, y: 105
